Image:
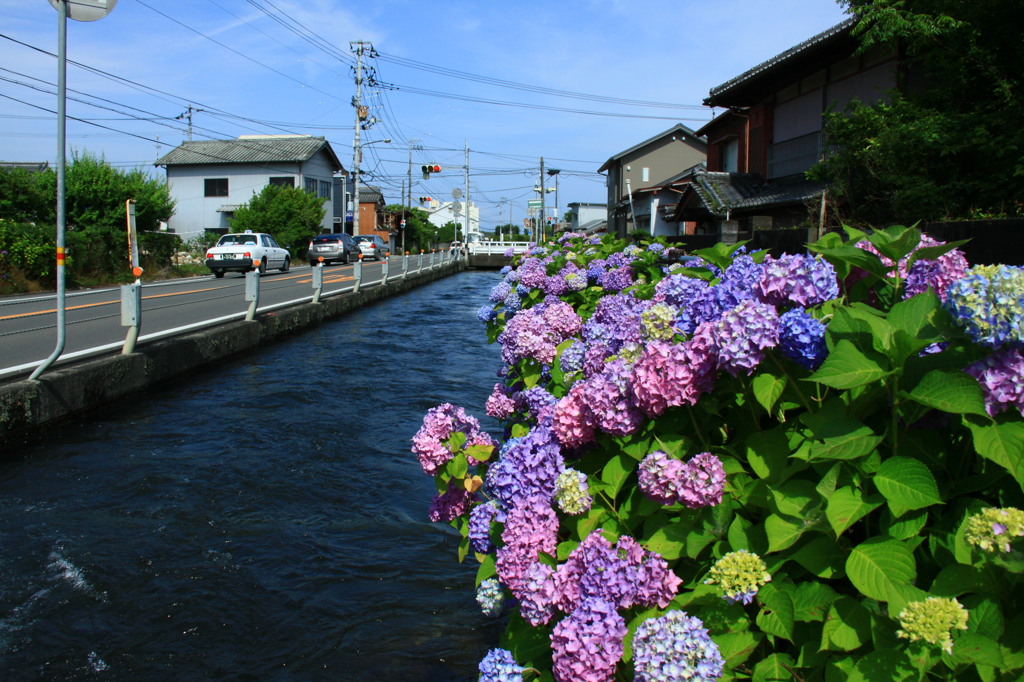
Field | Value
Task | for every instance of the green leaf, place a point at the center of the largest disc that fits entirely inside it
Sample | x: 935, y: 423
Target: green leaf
x: 774, y: 668
x: 849, y: 505
x: 487, y: 568
x: 847, y: 626
x: 879, y: 566
x: 782, y: 532
x: 812, y: 600
x: 768, y: 389
x: 841, y: 436
x: 891, y: 665
x: 767, y: 452
x: 950, y: 391
x: 457, y: 466
x: 744, y: 535
x: 668, y: 540
x: 795, y: 497
x: 969, y: 647
x: 848, y: 367
x: 906, y: 484
x: 776, y: 616
x: 907, y: 526
x: 736, y: 647
x: 895, y: 242
x: 481, y: 453
x: 957, y: 579
x: 615, y: 473
x: 1001, y: 443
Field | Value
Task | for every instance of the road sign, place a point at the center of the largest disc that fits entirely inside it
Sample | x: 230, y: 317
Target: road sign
x: 533, y: 203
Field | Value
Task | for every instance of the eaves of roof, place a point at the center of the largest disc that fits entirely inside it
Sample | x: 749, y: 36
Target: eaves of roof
x: 740, y: 90
x: 726, y: 193
x: 677, y: 129
x: 256, y: 150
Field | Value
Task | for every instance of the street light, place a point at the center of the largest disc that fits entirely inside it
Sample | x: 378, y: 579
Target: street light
x: 82, y: 10
x: 555, y: 172
x: 357, y: 157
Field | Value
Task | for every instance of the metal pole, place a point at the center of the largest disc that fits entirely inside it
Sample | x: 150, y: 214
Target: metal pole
x: 356, y: 151
x: 62, y: 89
x: 465, y: 237
x: 541, y: 224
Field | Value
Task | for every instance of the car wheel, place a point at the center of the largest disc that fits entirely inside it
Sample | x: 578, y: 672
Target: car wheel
x: 287, y: 265
x: 263, y: 266
x: 312, y: 263
x: 218, y: 273
x: 344, y: 260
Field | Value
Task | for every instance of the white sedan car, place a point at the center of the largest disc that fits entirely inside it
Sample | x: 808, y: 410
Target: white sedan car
x: 372, y: 246
x: 238, y: 252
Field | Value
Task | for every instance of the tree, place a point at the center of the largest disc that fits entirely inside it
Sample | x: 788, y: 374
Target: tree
x: 949, y: 147
x: 95, y: 195
x: 293, y: 216
x: 23, y: 196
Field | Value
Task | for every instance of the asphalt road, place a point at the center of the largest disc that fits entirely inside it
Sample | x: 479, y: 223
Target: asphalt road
x: 28, y: 323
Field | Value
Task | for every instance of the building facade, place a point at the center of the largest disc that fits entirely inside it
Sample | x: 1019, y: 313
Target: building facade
x: 210, y: 179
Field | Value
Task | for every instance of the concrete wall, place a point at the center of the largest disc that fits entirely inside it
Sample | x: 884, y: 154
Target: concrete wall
x: 26, y: 407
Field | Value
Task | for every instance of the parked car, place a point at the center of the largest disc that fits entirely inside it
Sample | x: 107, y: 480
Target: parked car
x: 239, y: 251
x: 333, y: 247
x: 372, y: 246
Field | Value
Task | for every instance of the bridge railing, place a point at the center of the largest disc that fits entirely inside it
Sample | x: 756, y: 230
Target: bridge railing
x: 492, y: 247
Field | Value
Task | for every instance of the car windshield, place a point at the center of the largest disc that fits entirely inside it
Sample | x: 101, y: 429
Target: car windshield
x: 328, y: 238
x: 363, y: 238
x: 231, y: 239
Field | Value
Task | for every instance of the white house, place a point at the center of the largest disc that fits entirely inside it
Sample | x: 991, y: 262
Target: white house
x: 440, y: 214
x: 210, y: 179
x: 587, y: 217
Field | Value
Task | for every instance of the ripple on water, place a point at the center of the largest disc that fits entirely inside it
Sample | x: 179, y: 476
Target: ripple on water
x: 263, y: 520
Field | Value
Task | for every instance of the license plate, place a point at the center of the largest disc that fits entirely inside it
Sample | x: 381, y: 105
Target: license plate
x: 324, y: 248
x: 228, y: 256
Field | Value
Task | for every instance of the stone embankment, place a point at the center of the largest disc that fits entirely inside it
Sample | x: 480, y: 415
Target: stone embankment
x: 27, y: 406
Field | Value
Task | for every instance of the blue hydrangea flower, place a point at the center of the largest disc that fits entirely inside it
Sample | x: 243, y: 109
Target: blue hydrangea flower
x: 675, y: 647
x: 988, y: 304
x: 491, y: 597
x: 486, y: 313
x: 480, y: 518
x: 512, y: 301
x: 802, y: 338
x: 500, y: 292
x: 499, y: 666
x: 572, y: 357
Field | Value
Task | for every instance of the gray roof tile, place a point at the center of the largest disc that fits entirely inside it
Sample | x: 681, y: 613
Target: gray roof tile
x: 269, y: 149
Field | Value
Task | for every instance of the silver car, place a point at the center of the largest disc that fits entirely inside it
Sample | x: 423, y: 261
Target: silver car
x: 336, y: 246
x: 372, y: 246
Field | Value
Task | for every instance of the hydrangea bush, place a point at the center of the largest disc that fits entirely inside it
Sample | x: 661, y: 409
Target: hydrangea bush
x: 807, y: 467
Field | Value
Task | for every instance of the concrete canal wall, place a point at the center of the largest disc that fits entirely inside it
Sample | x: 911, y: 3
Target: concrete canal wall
x: 28, y: 406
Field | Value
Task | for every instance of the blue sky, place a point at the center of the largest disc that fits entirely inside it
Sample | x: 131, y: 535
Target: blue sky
x: 280, y: 66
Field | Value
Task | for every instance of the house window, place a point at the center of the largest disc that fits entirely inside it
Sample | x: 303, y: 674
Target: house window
x: 645, y: 174
x: 325, y: 190
x: 285, y: 181
x: 215, y: 187
x: 311, y: 185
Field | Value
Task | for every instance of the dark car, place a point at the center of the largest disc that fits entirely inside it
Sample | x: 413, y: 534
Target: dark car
x: 335, y: 247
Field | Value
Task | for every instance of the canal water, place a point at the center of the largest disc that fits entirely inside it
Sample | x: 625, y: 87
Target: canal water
x: 262, y: 520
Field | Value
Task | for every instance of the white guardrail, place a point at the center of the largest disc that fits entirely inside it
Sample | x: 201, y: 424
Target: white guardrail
x: 490, y: 247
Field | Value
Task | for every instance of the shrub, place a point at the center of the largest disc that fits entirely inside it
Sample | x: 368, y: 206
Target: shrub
x: 817, y: 460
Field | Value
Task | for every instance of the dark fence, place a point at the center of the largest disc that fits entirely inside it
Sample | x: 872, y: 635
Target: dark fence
x: 992, y: 241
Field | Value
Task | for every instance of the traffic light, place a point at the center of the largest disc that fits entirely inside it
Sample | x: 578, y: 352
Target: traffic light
x: 424, y: 200
x: 430, y: 168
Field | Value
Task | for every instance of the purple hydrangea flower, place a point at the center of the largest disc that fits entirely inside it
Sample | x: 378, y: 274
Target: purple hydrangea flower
x: 616, y: 279
x: 675, y: 646
x: 658, y: 477
x: 670, y: 375
x: 453, y: 503
x: 609, y: 400
x: 480, y: 518
x: 527, y: 467
x: 1001, y: 376
x: 572, y: 424
x: 797, y: 279
x: 802, y: 338
x: 937, y: 274
x: 588, y: 644
x: 742, y: 335
x: 499, y: 405
x: 701, y: 481
x: 500, y: 292
x: 439, y: 423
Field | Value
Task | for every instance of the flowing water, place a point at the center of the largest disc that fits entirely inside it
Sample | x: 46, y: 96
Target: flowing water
x: 261, y: 520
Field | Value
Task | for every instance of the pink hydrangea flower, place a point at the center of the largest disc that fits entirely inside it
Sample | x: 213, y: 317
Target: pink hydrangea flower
x: 439, y: 423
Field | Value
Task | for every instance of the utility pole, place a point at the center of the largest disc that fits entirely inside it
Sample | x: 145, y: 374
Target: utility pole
x: 465, y: 237
x: 541, y: 223
x: 188, y: 116
x: 358, y: 47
